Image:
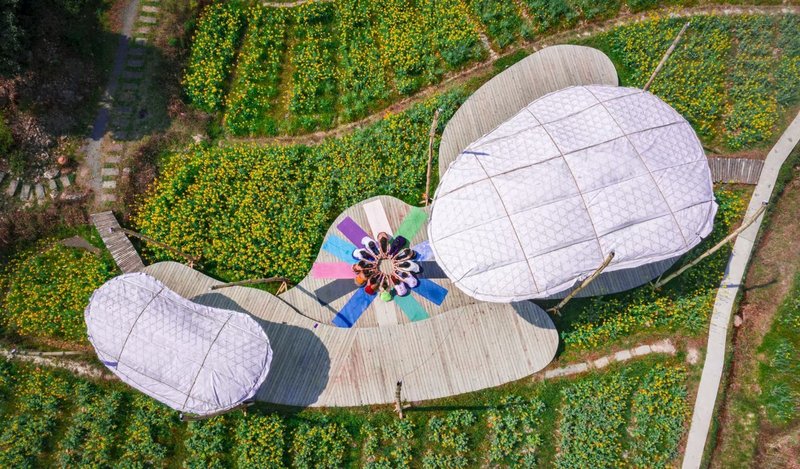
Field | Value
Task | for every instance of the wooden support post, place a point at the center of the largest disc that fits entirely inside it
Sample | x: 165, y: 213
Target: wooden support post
x: 660, y: 283
x: 190, y: 259
x: 557, y: 308
x: 398, y: 402
x: 284, y: 282
x: 666, y: 56
x: 431, y: 135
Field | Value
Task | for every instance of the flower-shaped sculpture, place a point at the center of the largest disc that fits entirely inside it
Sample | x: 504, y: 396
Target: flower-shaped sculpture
x: 381, y: 265
x: 386, y: 266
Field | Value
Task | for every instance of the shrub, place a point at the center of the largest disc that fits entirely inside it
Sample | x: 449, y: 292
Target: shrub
x: 147, y: 436
x: 260, y: 441
x: 513, y: 431
x: 40, y: 396
x: 389, y: 445
x: 255, y: 86
x: 92, y: 432
x: 593, y: 422
x: 213, y: 50
x: 321, y: 445
x: 6, y: 139
x: 452, y: 444
x: 502, y: 20
x: 548, y: 15
x: 659, y: 413
x: 49, y: 287
x: 206, y: 445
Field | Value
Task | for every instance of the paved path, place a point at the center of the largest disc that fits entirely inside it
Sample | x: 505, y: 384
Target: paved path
x: 726, y: 299
x: 664, y: 346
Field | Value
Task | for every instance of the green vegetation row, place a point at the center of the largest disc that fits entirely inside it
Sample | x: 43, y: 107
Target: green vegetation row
x: 733, y: 78
x: 270, y: 71
x: 634, y: 417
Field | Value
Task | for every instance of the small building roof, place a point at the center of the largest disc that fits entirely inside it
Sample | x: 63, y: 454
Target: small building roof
x: 536, y: 205
x: 193, y: 358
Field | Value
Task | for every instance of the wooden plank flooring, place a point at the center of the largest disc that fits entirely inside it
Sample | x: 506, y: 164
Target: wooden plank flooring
x: 464, y: 349
x: 303, y: 297
x: 545, y: 71
x: 735, y: 170
x: 118, y: 244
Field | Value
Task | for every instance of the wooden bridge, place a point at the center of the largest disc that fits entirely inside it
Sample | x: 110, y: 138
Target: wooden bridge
x: 118, y: 244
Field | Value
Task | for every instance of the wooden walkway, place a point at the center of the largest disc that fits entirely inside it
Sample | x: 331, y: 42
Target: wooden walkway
x: 464, y: 349
x: 545, y: 71
x: 735, y: 170
x: 118, y: 244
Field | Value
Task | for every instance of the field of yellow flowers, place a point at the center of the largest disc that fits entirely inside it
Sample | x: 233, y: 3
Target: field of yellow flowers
x: 352, y: 57
x: 732, y: 77
x: 46, y: 289
x: 250, y: 210
x: 634, y: 416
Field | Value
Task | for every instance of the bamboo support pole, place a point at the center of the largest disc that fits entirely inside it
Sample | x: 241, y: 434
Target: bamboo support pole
x: 398, y: 402
x: 660, y: 283
x: 431, y: 135
x: 557, y: 308
x: 190, y: 259
x: 284, y: 282
x: 666, y: 56
x: 46, y: 354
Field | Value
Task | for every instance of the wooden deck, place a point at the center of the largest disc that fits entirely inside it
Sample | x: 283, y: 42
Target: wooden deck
x: 545, y: 71
x: 464, y: 349
x: 735, y: 170
x: 118, y: 244
x: 321, y: 299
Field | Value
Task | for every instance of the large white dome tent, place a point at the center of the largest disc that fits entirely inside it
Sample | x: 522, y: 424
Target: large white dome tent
x: 537, y: 204
x: 196, y: 359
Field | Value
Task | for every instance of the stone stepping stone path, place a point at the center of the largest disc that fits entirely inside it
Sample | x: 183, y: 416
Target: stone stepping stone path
x: 125, y: 94
x: 124, y: 109
x: 12, y: 188
x: 36, y: 192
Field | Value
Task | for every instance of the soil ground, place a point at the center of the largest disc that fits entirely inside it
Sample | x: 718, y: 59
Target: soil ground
x: 769, y: 278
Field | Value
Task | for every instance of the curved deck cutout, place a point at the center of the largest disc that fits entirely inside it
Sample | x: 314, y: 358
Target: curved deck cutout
x: 542, y: 72
x: 464, y: 349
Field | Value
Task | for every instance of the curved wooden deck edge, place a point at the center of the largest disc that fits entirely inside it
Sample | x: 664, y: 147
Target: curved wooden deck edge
x: 500, y: 98
x: 465, y: 349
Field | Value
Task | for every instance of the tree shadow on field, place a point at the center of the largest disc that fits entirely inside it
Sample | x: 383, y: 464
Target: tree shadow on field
x: 300, y: 366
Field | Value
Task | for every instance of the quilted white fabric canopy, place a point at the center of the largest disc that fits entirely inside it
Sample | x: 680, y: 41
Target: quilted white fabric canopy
x: 537, y: 204
x: 191, y: 357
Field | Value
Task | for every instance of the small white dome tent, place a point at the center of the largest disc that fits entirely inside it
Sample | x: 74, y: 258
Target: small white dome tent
x: 193, y: 358
x: 535, y: 206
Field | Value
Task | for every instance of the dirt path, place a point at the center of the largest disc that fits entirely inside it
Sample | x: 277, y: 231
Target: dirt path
x: 90, y: 171
x: 453, y: 79
x: 769, y: 279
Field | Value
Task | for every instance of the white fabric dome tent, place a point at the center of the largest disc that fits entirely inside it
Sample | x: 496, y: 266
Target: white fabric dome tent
x: 533, y: 207
x: 193, y: 358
